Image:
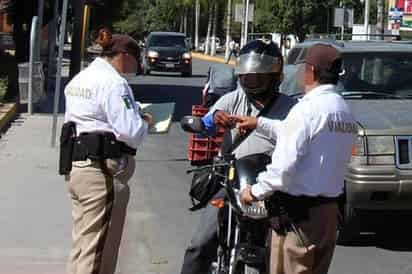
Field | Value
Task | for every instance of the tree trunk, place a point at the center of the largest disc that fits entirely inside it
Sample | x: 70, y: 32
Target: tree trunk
x: 380, y: 25
x: 215, y: 13
x: 228, y: 28
x: 242, y: 35
x: 185, y: 22
x: 197, y: 13
x: 181, y: 24
x: 209, y: 28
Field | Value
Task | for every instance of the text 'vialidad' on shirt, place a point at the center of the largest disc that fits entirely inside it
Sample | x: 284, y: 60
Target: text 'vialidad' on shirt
x: 313, y: 147
x: 99, y: 99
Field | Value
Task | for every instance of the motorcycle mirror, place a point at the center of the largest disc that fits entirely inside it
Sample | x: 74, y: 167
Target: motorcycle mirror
x: 192, y: 124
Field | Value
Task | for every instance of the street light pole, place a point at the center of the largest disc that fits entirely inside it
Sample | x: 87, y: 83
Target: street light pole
x: 59, y: 73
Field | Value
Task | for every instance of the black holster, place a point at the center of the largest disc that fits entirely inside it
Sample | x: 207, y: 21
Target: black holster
x: 67, y: 139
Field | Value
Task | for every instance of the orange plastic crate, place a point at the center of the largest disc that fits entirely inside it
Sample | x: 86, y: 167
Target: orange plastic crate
x: 203, y: 148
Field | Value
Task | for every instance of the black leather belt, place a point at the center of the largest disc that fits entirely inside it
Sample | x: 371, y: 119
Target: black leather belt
x: 297, y: 207
x: 99, y: 146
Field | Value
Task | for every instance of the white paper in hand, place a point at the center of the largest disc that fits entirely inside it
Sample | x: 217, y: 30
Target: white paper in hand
x: 162, y: 116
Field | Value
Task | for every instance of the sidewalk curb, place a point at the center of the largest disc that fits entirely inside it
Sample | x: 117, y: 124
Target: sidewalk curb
x: 215, y: 59
x: 7, y: 113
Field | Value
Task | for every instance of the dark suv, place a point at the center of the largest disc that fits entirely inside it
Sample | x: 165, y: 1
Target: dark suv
x: 167, y: 51
x: 377, y: 85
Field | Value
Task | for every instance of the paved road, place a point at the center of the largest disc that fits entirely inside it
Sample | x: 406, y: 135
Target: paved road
x: 35, y: 220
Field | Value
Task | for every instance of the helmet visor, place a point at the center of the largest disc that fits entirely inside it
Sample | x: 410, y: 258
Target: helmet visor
x: 258, y: 83
x: 258, y: 63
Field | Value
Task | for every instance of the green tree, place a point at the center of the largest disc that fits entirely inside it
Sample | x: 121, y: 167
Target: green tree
x: 299, y: 17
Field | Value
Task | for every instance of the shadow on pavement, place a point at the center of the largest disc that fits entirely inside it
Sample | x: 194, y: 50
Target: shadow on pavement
x: 389, y: 232
x: 183, y: 96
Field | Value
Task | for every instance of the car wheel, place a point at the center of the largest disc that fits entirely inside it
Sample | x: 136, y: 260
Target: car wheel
x: 349, y: 227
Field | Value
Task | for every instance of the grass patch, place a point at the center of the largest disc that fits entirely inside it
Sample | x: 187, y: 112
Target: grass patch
x: 3, y: 89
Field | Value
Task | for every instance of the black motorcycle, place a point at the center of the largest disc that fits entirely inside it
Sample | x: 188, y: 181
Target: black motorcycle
x: 243, y: 230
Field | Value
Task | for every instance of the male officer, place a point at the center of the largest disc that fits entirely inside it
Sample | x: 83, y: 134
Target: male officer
x: 260, y: 72
x: 308, y: 165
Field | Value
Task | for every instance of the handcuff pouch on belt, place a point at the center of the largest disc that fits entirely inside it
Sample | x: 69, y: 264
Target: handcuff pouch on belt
x: 288, y: 209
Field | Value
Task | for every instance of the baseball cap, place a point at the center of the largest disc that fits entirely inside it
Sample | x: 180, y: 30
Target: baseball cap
x: 117, y: 43
x: 325, y: 57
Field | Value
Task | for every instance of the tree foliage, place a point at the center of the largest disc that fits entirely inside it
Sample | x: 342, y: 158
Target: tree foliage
x: 299, y: 17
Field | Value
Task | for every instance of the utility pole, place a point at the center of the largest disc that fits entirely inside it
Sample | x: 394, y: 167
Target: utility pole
x: 366, y: 22
x: 380, y: 26
x: 75, y: 57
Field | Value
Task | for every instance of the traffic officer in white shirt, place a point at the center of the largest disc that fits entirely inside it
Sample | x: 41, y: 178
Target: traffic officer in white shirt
x: 108, y: 128
x: 308, y: 165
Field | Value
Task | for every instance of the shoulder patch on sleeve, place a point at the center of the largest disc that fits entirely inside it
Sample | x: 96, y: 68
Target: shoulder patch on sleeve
x: 127, y: 101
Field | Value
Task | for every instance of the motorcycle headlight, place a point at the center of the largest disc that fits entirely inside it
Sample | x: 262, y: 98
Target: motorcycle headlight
x: 380, y: 145
x: 187, y: 55
x: 152, y: 54
x: 256, y: 210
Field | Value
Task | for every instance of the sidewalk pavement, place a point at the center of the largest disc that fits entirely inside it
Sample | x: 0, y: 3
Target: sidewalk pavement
x: 217, y: 59
x: 35, y: 215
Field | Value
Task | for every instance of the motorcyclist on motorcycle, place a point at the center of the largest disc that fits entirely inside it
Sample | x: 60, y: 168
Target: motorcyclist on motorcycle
x: 259, y: 68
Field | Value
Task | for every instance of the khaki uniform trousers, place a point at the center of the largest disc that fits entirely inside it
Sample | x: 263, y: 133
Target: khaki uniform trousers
x: 290, y: 256
x: 99, y: 196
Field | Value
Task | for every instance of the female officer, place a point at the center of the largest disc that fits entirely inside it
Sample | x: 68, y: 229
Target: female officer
x: 109, y: 129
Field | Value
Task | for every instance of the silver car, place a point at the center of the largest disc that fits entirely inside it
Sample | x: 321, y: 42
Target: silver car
x: 376, y: 82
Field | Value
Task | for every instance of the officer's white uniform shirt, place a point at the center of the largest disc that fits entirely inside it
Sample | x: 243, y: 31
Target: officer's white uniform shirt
x: 99, y: 99
x: 313, y: 147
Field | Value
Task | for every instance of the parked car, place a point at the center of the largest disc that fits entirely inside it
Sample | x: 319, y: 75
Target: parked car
x: 377, y: 85
x: 167, y: 51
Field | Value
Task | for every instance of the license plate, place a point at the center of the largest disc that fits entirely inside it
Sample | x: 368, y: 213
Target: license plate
x: 170, y: 65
